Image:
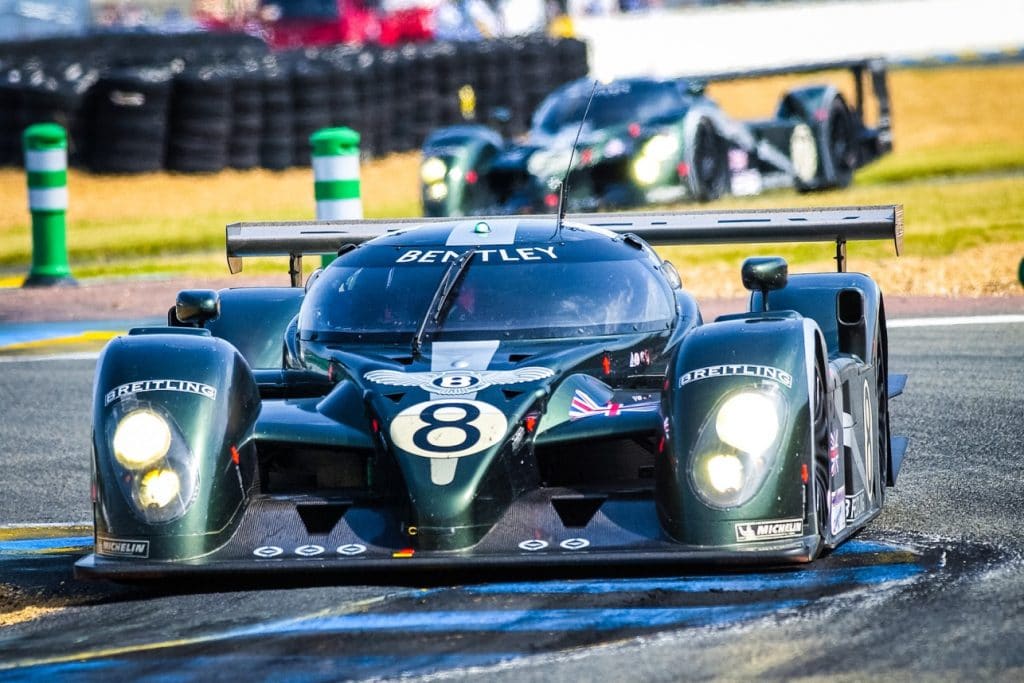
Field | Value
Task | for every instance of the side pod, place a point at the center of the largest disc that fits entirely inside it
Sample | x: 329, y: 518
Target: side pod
x: 739, y: 440
x: 174, y: 410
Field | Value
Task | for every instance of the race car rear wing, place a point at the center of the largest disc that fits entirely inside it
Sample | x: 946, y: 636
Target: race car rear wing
x: 834, y: 224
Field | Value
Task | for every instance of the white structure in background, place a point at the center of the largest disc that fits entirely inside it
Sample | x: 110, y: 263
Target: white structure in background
x: 724, y: 38
x: 27, y: 19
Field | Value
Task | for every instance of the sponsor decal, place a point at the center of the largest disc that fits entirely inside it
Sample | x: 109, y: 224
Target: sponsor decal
x: 533, y: 545
x: 309, y: 550
x: 761, y: 371
x: 638, y: 358
x: 768, y: 529
x: 447, y: 429
x: 837, y: 514
x: 583, y: 405
x: 351, y: 549
x: 456, y: 382
x: 510, y: 255
x: 574, y: 544
x: 854, y: 506
x: 122, y: 547
x: 268, y: 551
x: 833, y: 453
x: 179, y: 385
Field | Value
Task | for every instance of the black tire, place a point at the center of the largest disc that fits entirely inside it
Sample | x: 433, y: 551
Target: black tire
x: 882, y: 434
x: 819, y: 418
x: 709, y: 164
x: 840, y: 145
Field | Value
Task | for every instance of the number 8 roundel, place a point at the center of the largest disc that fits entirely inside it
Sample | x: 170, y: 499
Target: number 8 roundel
x: 448, y: 428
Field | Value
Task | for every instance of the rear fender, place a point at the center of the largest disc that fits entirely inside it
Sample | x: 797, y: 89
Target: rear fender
x: 846, y: 306
x: 202, y: 389
x: 254, y: 321
x: 774, y: 357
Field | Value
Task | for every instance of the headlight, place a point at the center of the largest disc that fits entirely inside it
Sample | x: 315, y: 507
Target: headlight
x: 737, y: 447
x: 661, y: 147
x: 646, y: 170
x: 748, y: 421
x: 158, y: 488
x: 142, y: 437
x: 725, y: 473
x: 648, y: 165
x: 433, y: 170
x: 156, y: 469
x: 437, y: 192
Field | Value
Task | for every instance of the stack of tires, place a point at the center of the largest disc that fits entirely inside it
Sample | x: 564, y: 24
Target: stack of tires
x: 200, y: 103
x: 126, y: 114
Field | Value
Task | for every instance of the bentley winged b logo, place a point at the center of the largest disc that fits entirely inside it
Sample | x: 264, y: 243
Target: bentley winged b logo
x: 456, y: 382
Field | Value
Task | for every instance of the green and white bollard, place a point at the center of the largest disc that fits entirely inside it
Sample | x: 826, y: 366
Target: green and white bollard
x: 46, y: 163
x: 336, y: 177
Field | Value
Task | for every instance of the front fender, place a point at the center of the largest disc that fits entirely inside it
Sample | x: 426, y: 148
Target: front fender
x: 203, y: 390
x: 763, y: 353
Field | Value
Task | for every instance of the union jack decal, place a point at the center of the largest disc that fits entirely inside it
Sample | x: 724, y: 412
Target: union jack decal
x: 584, y: 406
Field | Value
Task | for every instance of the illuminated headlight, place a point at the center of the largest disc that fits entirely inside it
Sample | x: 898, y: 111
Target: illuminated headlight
x: 433, y: 170
x: 156, y: 470
x: 142, y: 437
x: 648, y: 165
x: 646, y: 170
x: 748, y: 421
x: 437, y: 192
x: 725, y: 473
x: 661, y: 147
x: 159, y: 488
x: 738, y: 447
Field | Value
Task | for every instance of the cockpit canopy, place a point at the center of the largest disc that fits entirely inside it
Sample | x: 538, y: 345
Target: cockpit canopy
x: 578, y: 284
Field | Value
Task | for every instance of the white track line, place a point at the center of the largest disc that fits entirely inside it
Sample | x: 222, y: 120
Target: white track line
x: 958, y: 320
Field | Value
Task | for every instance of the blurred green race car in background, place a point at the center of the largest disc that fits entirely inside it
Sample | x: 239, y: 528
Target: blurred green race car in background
x: 645, y: 141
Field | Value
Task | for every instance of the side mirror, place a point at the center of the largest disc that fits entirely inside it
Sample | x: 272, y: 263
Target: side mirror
x: 763, y: 274
x: 194, y: 307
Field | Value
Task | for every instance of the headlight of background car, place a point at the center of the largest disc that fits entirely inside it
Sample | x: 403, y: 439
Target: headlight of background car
x: 656, y: 152
x: 156, y: 468
x: 738, y: 446
x: 433, y: 170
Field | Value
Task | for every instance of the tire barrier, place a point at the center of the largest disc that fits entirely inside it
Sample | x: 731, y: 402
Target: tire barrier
x: 198, y: 103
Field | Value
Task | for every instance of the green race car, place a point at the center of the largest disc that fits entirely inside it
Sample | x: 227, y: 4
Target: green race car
x: 498, y: 391
x: 639, y: 141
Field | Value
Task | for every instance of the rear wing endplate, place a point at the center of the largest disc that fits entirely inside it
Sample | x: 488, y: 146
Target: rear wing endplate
x: 835, y: 224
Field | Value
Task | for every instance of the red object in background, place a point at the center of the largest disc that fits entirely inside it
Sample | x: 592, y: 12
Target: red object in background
x: 354, y: 24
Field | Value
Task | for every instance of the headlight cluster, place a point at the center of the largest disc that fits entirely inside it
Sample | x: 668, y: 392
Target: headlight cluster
x: 433, y: 172
x: 649, y: 165
x: 737, y: 446
x: 158, y: 470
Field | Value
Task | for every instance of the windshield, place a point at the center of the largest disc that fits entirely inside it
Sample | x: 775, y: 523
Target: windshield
x: 614, y: 104
x: 525, y: 300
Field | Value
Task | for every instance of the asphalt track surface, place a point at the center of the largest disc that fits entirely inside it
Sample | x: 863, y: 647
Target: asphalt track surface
x: 933, y: 589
